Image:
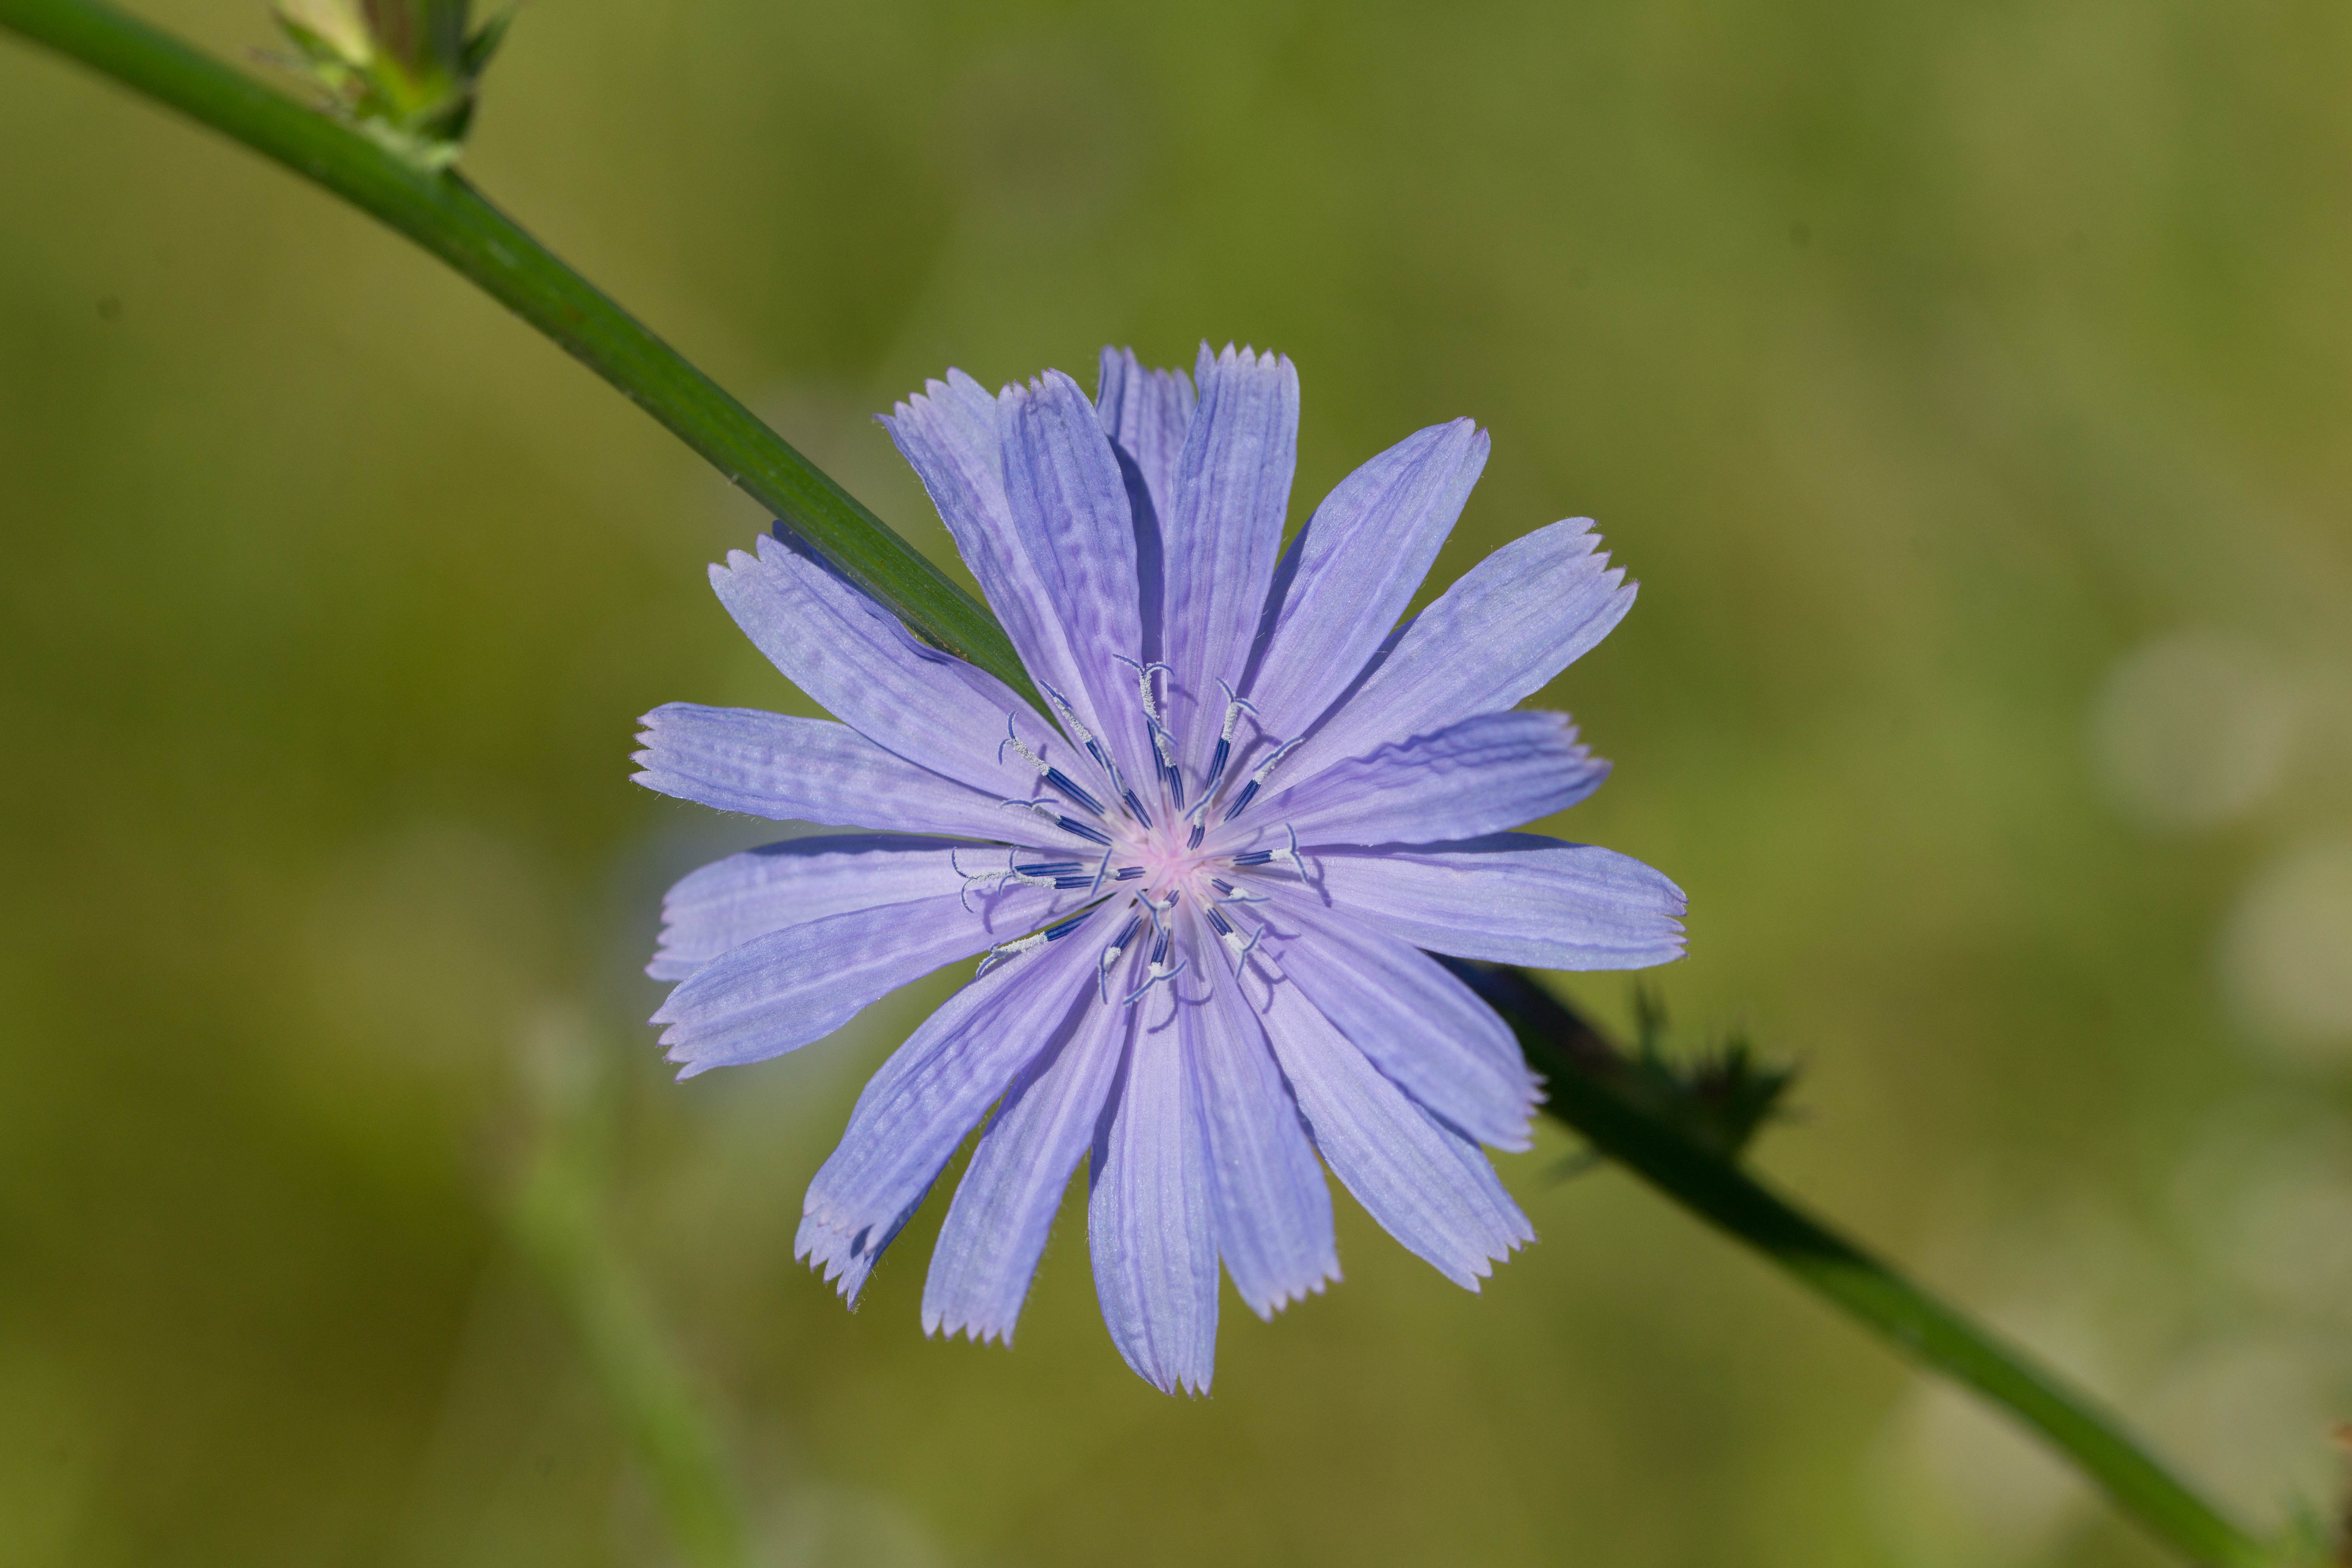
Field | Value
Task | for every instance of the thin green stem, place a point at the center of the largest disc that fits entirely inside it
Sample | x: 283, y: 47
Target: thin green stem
x: 1590, y: 1089
x: 446, y: 216
x: 556, y: 1218
x: 1591, y: 1092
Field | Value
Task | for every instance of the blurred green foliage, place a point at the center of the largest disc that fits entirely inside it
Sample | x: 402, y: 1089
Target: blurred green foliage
x: 1949, y: 377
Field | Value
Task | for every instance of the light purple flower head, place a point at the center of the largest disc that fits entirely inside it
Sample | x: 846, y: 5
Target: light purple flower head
x: 1203, y: 884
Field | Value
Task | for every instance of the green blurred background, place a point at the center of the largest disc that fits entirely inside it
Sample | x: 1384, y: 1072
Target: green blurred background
x: 1967, y: 386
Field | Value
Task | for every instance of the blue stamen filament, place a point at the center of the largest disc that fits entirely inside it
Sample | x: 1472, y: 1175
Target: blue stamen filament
x: 1234, y: 708
x: 1110, y: 955
x: 1057, y: 779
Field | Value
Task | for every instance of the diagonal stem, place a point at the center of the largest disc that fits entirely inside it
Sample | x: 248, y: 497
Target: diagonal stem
x: 1589, y: 1093
x: 447, y: 217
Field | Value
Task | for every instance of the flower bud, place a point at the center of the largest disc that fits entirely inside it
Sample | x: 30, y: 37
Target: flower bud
x: 404, y: 71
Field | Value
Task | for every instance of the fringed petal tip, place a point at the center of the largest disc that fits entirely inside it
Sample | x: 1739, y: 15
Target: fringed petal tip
x: 1174, y: 1381
x: 1521, y: 1138
x: 916, y: 406
x: 1482, y: 1268
x: 682, y: 1052
x: 847, y: 1261
x: 1673, y: 939
x: 1247, y: 357
x: 1291, y: 1297
x: 936, y: 1324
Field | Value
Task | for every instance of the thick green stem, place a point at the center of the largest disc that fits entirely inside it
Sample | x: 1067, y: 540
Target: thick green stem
x: 446, y: 216
x: 1590, y: 1091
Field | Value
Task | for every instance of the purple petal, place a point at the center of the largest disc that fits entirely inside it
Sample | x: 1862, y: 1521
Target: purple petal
x: 1511, y: 623
x: 1353, y: 568
x: 1513, y: 898
x: 1220, y: 542
x: 1429, y: 1186
x: 1470, y: 779
x: 1004, y: 1208
x: 1419, y: 1025
x: 926, y: 1096
x: 1272, y: 1207
x: 1149, y: 1224
x: 847, y: 1260
x: 779, y: 992
x: 810, y: 770
x: 729, y: 903
x: 861, y: 665
x: 951, y: 434
x: 1146, y: 413
x: 1069, y: 508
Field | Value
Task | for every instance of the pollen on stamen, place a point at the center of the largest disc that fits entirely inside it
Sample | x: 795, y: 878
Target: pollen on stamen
x: 1056, y: 779
x: 1004, y: 950
x: 1155, y: 974
x: 1156, y: 966
x: 1086, y: 741
x: 1291, y: 854
x: 1257, y: 780
x: 1110, y: 955
x: 1234, y: 708
x: 992, y: 879
x: 1066, y: 823
x: 1155, y: 725
x: 1288, y: 852
x: 1021, y: 747
x: 1232, y: 937
x: 1026, y: 876
x: 1143, y: 674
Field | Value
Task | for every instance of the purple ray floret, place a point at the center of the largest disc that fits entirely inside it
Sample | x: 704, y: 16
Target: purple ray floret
x: 1203, y: 886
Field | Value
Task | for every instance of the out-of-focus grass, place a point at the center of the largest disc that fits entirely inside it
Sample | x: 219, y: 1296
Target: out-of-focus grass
x: 1937, y: 372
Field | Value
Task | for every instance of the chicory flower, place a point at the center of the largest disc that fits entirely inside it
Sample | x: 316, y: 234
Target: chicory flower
x: 1203, y: 887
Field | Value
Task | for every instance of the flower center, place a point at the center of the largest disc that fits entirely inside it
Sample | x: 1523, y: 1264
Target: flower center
x: 1171, y: 863
x: 1168, y: 862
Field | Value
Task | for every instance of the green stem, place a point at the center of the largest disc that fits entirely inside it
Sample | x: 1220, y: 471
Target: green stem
x: 1591, y: 1093
x: 556, y: 1218
x: 446, y: 216
x: 1588, y: 1089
